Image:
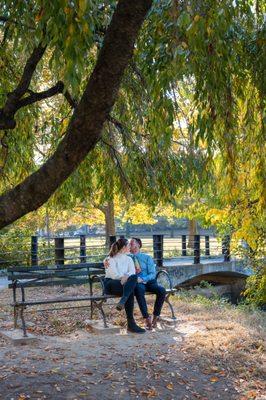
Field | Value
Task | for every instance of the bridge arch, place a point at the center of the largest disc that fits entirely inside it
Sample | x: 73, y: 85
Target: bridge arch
x: 217, y: 277
x: 215, y: 271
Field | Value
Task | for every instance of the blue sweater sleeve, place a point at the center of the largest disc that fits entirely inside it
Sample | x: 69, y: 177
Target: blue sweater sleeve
x: 151, y: 269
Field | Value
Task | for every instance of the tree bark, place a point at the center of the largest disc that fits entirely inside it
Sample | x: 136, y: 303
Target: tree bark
x: 109, y: 221
x: 86, y: 124
x: 109, y: 218
x: 192, y: 230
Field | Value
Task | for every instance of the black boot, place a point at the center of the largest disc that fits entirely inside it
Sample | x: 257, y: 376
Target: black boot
x: 133, y: 327
x: 121, y: 305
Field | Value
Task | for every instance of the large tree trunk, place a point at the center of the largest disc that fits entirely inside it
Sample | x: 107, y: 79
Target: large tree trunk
x: 192, y: 230
x: 48, y: 232
x: 109, y: 217
x: 89, y: 116
x: 109, y: 222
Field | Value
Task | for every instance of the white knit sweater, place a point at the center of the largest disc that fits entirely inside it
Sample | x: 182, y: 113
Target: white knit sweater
x: 120, y: 265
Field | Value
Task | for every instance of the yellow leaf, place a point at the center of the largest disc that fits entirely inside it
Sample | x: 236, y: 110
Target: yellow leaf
x: 39, y: 15
x: 82, y: 7
x: 85, y: 28
x: 214, y: 379
x: 170, y: 386
x: 71, y: 29
x: 67, y: 10
x: 209, y: 30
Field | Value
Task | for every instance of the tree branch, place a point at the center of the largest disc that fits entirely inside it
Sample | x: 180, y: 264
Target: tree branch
x: 34, y: 97
x: 8, y: 122
x: 24, y: 83
x: 114, y: 153
x: 86, y: 124
x: 7, y: 113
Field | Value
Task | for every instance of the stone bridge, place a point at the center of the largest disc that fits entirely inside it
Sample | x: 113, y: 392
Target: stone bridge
x: 215, y: 272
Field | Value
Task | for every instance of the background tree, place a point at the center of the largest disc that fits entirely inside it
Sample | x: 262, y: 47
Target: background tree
x: 207, y: 56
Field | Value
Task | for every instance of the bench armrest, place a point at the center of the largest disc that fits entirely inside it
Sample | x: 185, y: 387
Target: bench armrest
x: 97, y: 278
x: 164, y: 273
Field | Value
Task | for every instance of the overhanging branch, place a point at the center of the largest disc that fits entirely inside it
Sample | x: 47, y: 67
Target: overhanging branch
x: 30, y: 67
x: 86, y: 124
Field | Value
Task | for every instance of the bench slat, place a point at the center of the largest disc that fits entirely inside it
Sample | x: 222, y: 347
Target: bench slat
x: 63, y: 300
x: 59, y: 282
x: 70, y: 299
x: 54, y: 273
x: 56, y: 267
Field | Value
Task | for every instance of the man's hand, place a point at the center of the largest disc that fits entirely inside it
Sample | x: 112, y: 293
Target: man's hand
x: 106, y: 263
x: 140, y: 280
x: 123, y: 279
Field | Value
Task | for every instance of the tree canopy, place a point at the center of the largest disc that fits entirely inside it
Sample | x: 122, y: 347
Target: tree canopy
x: 188, y: 120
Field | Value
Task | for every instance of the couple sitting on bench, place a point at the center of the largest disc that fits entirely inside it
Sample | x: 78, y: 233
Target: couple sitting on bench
x: 133, y: 274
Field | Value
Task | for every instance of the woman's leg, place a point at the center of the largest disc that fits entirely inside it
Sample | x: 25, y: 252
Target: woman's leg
x: 128, y: 289
x: 113, y: 286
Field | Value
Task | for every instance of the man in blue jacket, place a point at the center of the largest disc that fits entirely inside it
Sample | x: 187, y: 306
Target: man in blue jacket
x: 146, y: 271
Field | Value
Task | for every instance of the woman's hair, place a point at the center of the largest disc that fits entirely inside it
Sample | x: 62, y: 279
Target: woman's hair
x: 117, y: 246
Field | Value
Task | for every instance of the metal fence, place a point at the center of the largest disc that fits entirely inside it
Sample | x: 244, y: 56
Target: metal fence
x: 65, y: 250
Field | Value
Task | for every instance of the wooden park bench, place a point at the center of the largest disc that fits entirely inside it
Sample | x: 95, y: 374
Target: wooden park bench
x: 21, y: 278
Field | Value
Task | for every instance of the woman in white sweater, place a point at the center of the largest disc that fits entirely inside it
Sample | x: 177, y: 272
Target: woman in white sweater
x: 121, y: 279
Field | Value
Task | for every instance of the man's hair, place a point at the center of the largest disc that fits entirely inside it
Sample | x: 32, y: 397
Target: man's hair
x: 138, y: 240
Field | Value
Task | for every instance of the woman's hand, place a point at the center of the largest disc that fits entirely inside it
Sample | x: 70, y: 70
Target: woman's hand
x: 123, y: 279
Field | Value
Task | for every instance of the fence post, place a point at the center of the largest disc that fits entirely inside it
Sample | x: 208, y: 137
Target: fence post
x: 196, y: 249
x: 226, y: 248
x: 59, y: 251
x: 82, y: 249
x: 158, y: 250
x: 207, y: 245
x: 34, y: 250
x: 184, y: 245
x: 112, y: 239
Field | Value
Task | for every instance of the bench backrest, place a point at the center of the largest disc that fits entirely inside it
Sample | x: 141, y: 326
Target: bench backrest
x: 71, y: 274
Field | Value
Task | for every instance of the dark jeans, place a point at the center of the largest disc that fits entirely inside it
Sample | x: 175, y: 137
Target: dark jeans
x: 114, y: 286
x: 153, y: 287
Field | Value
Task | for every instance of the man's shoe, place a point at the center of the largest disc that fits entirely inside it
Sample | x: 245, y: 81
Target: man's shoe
x: 134, y: 328
x: 155, y: 321
x: 148, y: 323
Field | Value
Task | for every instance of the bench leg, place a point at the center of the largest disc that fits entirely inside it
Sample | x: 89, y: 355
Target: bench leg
x: 91, y: 291
x: 15, y: 317
x: 170, y: 305
x: 100, y: 308
x: 23, y: 321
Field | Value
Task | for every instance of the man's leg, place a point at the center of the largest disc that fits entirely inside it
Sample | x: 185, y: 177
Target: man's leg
x: 160, y: 292
x: 140, y: 290
x: 140, y: 296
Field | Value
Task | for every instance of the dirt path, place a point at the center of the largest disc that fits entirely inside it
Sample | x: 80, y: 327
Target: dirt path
x: 114, y: 366
x: 215, y: 352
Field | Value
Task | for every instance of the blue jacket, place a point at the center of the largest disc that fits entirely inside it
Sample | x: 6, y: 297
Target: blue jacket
x: 147, y: 265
